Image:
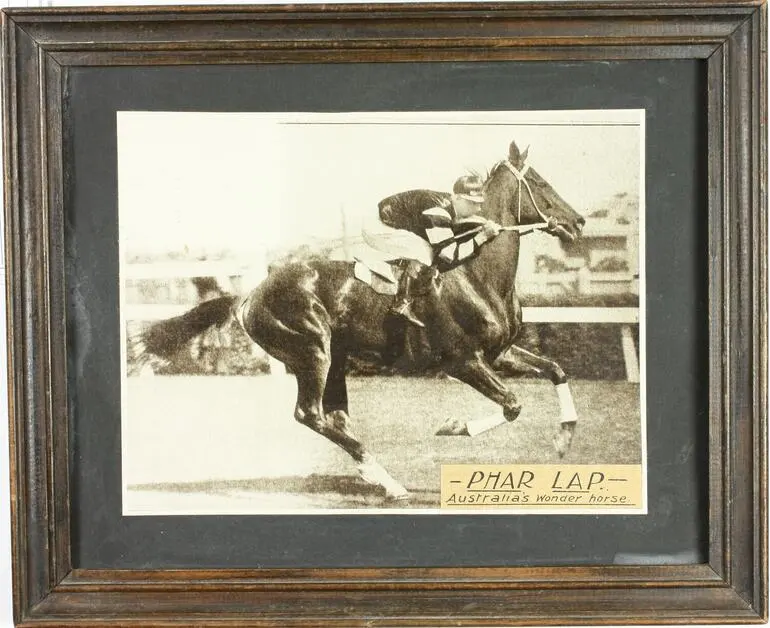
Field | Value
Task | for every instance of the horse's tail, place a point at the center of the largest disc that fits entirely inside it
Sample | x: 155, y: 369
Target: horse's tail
x: 165, y: 338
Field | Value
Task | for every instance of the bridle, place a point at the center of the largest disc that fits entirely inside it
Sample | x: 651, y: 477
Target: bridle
x: 549, y: 222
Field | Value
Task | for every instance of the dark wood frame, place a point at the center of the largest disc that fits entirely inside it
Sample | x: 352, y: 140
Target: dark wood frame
x: 40, y: 46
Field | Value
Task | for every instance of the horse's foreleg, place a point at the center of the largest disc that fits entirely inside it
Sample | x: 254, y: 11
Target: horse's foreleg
x: 563, y: 439
x: 476, y: 372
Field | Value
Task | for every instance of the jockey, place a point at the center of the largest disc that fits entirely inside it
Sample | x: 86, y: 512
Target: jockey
x: 450, y: 225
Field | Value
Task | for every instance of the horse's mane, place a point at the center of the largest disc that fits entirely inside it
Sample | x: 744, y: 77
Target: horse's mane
x: 479, y: 174
x: 491, y: 172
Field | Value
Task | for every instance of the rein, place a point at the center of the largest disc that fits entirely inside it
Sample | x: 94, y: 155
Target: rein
x: 520, y: 229
x: 525, y: 229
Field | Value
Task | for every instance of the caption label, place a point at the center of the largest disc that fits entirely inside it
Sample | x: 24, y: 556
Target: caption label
x: 543, y: 486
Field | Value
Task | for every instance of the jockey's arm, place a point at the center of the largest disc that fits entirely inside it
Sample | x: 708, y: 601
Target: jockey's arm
x: 456, y: 243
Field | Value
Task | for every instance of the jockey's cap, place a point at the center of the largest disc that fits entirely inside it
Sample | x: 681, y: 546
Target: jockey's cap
x: 469, y: 187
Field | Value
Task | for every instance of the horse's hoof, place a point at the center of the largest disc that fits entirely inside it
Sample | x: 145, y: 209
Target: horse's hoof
x: 372, y: 472
x: 453, y: 427
x: 398, y: 497
x: 512, y: 413
x: 395, y: 492
x: 562, y: 441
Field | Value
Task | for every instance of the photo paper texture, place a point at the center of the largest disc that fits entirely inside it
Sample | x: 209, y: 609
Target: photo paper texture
x: 384, y: 313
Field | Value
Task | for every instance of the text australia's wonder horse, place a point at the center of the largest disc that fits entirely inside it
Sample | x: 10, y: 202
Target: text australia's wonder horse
x: 312, y: 315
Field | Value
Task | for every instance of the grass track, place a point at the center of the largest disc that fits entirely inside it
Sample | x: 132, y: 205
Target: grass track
x: 230, y: 444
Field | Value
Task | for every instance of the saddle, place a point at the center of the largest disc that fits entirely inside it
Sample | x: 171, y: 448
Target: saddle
x: 381, y: 275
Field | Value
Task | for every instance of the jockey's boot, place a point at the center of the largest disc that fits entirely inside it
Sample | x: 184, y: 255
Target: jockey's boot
x: 403, y: 305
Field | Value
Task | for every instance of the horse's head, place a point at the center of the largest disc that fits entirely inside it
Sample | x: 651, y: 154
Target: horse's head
x: 515, y: 194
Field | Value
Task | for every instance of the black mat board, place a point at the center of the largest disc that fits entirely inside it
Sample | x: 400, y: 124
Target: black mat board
x: 675, y: 530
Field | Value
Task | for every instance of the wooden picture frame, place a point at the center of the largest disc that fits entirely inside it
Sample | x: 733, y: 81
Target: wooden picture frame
x: 40, y: 49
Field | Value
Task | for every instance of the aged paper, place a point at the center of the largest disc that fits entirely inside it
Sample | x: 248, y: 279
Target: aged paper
x: 430, y: 313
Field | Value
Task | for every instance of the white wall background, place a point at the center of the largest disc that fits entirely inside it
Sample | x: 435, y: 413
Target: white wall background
x: 5, y: 553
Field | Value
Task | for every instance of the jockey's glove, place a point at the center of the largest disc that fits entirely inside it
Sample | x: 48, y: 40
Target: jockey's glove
x: 491, y: 229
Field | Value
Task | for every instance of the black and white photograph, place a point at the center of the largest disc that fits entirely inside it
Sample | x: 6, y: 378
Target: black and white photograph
x: 353, y: 312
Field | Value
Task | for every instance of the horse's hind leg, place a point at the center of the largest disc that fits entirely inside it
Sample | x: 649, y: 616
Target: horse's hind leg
x: 335, y: 403
x: 304, y: 348
x: 563, y: 438
x: 335, y: 397
x: 311, y: 381
x: 288, y: 320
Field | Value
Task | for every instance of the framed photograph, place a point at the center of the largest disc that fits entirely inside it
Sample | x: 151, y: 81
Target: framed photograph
x: 447, y: 314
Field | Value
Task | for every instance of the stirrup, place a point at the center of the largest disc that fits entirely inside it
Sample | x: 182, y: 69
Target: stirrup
x: 404, y: 310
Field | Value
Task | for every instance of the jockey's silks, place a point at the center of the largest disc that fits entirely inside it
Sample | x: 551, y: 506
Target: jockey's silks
x: 431, y: 216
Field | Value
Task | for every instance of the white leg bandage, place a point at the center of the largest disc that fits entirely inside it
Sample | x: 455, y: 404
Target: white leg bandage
x: 567, y: 404
x: 484, y: 424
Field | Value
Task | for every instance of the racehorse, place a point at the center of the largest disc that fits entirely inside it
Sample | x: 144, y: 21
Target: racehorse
x: 312, y: 315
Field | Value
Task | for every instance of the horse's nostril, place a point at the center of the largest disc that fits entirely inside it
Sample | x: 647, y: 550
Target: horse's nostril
x: 581, y: 221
